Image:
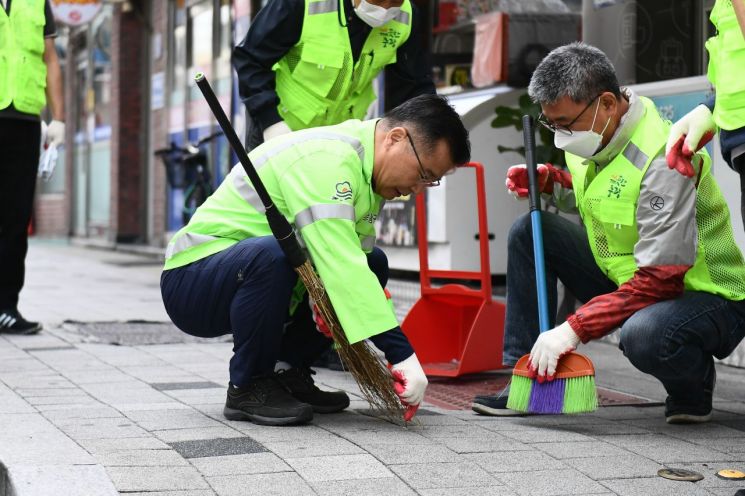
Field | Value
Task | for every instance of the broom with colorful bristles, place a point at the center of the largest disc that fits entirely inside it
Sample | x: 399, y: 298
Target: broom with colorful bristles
x: 573, y: 388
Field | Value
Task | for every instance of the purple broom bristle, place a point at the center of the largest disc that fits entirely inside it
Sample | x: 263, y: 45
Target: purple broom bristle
x: 547, y: 397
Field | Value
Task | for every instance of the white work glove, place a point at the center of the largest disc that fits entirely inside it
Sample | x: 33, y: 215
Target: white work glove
x: 687, y: 136
x: 55, y: 133
x: 550, y: 346
x: 548, y: 175
x: 277, y: 129
x: 409, y: 382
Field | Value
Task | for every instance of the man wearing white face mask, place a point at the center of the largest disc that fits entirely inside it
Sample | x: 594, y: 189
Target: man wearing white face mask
x: 309, y: 63
x: 655, y: 258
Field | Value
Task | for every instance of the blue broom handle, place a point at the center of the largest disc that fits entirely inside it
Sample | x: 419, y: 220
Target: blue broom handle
x: 535, y: 221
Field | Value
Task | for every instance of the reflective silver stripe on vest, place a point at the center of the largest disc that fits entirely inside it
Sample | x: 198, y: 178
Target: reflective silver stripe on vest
x: 309, y: 135
x: 188, y: 240
x: 323, y: 7
x: 634, y: 155
x: 402, y: 17
x: 367, y: 243
x: 239, y: 178
x: 323, y: 211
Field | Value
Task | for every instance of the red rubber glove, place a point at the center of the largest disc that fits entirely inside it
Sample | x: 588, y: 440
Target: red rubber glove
x: 321, y: 325
x: 517, y: 179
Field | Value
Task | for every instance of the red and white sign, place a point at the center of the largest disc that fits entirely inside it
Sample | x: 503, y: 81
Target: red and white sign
x: 75, y: 12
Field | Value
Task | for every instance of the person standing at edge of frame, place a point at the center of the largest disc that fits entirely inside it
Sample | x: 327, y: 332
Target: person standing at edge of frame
x: 30, y: 78
x: 309, y: 63
x: 726, y: 110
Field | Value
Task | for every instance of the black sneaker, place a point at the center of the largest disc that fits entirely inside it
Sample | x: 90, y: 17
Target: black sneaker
x: 11, y: 322
x: 265, y: 401
x: 299, y: 382
x: 494, y: 405
x: 684, y: 412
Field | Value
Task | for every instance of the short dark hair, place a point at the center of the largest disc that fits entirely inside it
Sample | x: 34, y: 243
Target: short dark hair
x: 431, y: 118
x: 577, y: 70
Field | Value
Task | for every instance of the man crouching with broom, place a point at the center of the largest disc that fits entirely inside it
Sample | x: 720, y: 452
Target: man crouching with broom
x: 225, y: 272
x: 655, y: 256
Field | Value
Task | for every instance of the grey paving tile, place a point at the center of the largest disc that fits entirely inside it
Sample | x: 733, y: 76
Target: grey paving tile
x: 733, y: 445
x: 551, y: 483
x: 281, y: 484
x: 469, y: 491
x: 313, y: 447
x: 141, y: 458
x: 665, y: 449
x: 582, y: 449
x: 217, y: 447
x: 442, y: 475
x: 264, y: 433
x: 251, y: 463
x: 616, y: 467
x: 401, y: 436
x: 656, y: 486
x: 402, y: 454
x: 42, y: 479
x: 177, y: 435
x: 154, y: 420
x: 198, y: 492
x: 547, y: 434
x: 518, y: 461
x: 489, y: 443
x: 99, y: 446
x: 338, y: 467
x: 132, y: 479
x: 101, y: 411
x: 442, y: 431
x: 389, y: 486
x: 171, y: 386
x: 98, y: 428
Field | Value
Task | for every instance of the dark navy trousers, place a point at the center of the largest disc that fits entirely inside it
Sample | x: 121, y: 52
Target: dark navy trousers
x: 245, y: 290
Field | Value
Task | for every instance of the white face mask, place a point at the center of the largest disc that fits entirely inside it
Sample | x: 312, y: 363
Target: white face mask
x: 374, y: 15
x: 581, y: 143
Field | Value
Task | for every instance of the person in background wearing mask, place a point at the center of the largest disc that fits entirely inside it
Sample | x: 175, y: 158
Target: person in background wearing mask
x: 727, y: 110
x: 30, y: 78
x: 309, y: 63
x: 655, y: 256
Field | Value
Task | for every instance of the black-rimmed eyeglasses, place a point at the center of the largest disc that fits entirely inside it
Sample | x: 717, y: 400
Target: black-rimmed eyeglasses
x: 558, y: 128
x: 424, y: 178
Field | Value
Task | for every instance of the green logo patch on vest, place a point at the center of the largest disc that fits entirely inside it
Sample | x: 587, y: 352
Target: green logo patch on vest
x: 617, y: 182
x: 343, y: 191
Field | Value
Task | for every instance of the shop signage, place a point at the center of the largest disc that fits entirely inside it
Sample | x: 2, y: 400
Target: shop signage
x: 75, y: 12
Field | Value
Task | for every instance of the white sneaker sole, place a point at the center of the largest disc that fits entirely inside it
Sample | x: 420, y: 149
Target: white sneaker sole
x: 684, y: 418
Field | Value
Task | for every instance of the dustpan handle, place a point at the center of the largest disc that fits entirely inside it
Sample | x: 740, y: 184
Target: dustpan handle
x: 535, y: 222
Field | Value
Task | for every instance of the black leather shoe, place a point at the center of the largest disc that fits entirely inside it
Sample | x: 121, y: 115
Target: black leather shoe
x: 494, y: 405
x: 265, y: 401
x: 11, y: 322
x: 299, y: 382
x: 683, y: 411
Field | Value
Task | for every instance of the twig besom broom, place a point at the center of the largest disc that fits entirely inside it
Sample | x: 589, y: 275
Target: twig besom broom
x: 368, y: 370
x: 573, y: 389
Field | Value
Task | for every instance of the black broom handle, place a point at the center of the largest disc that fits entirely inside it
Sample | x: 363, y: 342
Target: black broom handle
x: 277, y: 222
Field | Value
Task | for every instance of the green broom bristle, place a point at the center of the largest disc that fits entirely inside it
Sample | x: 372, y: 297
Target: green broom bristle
x: 519, y: 393
x: 580, y: 395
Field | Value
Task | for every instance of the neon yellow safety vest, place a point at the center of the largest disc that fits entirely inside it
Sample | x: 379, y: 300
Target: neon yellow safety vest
x: 23, y: 73
x: 610, y: 219
x: 321, y: 180
x: 318, y: 82
x: 727, y: 67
